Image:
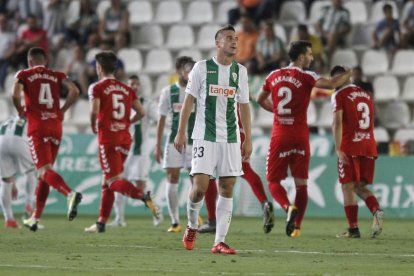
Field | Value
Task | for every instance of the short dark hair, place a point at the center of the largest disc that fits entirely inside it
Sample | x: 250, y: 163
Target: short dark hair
x: 133, y: 77
x: 302, y: 28
x: 386, y: 7
x: 298, y: 48
x: 225, y: 28
x: 36, y: 53
x: 107, y: 60
x: 338, y: 69
x: 182, y: 61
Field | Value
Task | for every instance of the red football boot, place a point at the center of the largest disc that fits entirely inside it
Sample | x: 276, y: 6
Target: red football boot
x: 189, y: 238
x: 222, y: 248
x: 11, y: 224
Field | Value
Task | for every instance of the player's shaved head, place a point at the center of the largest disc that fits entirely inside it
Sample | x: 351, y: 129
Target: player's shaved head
x: 338, y: 69
x: 37, y: 55
x: 222, y: 30
x: 298, y: 48
x: 107, y: 60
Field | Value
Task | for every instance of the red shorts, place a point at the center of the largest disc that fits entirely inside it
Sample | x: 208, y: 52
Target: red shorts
x: 284, y: 153
x: 359, y: 169
x: 44, y: 146
x: 112, y: 158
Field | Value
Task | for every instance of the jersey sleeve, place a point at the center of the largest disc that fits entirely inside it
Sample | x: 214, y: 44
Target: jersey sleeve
x: 243, y: 95
x: 266, y: 84
x: 92, y: 92
x: 20, y: 76
x: 336, y: 102
x: 164, y: 104
x: 312, y: 77
x: 61, y: 75
x: 194, y: 81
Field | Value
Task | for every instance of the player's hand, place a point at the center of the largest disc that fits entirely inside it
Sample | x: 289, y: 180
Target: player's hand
x: 158, y: 154
x: 15, y: 192
x: 246, y: 149
x: 342, y: 157
x: 180, y: 141
x: 94, y: 128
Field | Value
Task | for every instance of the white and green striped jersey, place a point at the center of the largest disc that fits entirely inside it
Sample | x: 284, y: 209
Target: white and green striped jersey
x: 218, y: 88
x: 14, y: 126
x: 171, y: 102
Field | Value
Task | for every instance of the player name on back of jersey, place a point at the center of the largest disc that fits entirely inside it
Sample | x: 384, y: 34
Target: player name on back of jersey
x: 115, y: 87
x: 220, y: 90
x: 290, y: 79
x: 42, y: 76
x: 353, y: 95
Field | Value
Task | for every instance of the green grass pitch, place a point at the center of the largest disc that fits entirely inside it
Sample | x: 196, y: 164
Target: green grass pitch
x: 62, y: 248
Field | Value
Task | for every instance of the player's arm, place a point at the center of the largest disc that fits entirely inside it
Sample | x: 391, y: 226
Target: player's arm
x: 16, y: 97
x: 181, y: 139
x: 160, y: 134
x: 337, y: 133
x: 73, y: 93
x: 246, y: 122
x: 95, y: 105
x: 263, y: 100
x: 334, y: 82
x: 139, y: 111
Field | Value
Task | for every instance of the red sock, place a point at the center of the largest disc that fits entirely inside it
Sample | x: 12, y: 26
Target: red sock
x: 372, y: 203
x: 107, y: 201
x: 279, y: 194
x: 126, y: 188
x: 301, y: 201
x: 254, y: 181
x: 351, y: 212
x: 210, y: 199
x: 57, y: 182
x: 42, y: 192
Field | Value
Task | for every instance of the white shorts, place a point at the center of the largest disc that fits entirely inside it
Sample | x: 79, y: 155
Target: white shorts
x: 216, y: 159
x: 174, y: 159
x: 136, y: 167
x: 15, y: 156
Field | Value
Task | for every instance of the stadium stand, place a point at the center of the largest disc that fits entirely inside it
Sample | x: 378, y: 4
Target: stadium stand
x: 169, y: 12
x: 374, y: 62
x: 179, y: 37
x: 386, y: 88
x: 148, y: 36
x: 158, y: 61
x: 292, y: 13
x: 140, y: 12
x: 403, y: 62
x: 132, y: 60
x: 199, y: 12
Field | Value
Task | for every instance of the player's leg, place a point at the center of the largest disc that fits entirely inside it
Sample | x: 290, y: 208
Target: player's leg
x: 173, y: 176
x: 6, y: 191
x: 42, y: 192
x: 119, y: 208
x: 210, y: 199
x: 30, y: 187
x: 253, y: 179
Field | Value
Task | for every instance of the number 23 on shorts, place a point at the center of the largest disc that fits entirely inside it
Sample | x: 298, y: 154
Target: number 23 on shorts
x: 198, y: 152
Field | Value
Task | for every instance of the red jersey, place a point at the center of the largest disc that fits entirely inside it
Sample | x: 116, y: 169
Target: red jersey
x: 115, y: 110
x: 42, y: 88
x: 357, y: 120
x: 290, y: 88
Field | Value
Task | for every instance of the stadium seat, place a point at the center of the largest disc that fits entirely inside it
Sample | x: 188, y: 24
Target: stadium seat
x: 280, y: 32
x: 408, y: 90
x: 403, y: 62
x: 374, y: 62
x: 222, y: 10
x: 205, y: 40
x: 312, y: 114
x: 169, y: 12
x: 148, y: 36
x: 90, y: 55
x: 4, y: 110
x: 199, y: 12
x: 264, y: 119
x: 160, y: 83
x: 325, y: 115
x: 358, y: 11
x: 72, y: 12
x: 361, y: 36
x: 180, y: 36
x: 381, y: 135
x: 140, y: 12
x: 377, y: 13
x: 386, y: 88
x: 190, y: 52
x: 404, y: 135
x: 80, y: 112
x: 145, y: 85
x: 292, y: 13
x: 316, y: 10
x: 158, y: 61
x: 102, y: 7
x: 132, y: 60
x: 345, y: 57
x: 395, y: 115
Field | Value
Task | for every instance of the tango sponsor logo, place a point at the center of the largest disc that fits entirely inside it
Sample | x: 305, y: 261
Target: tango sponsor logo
x: 219, y: 90
x: 292, y: 151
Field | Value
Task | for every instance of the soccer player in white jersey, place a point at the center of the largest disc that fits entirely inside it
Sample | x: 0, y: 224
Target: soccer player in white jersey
x: 217, y: 84
x: 137, y: 163
x: 170, y: 104
x: 15, y: 158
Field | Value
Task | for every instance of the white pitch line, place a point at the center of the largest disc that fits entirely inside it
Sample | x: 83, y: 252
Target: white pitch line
x: 272, y: 251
